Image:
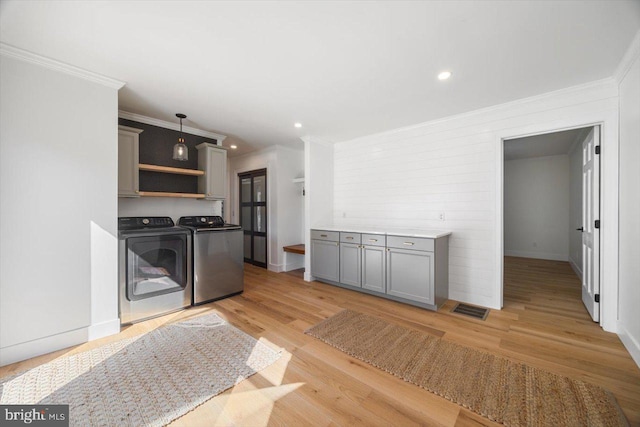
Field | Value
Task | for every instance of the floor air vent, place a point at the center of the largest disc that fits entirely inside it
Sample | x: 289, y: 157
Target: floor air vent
x: 471, y: 311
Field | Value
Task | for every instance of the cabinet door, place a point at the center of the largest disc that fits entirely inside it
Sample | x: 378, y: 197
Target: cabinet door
x: 350, y: 262
x: 325, y: 260
x: 213, y: 161
x: 128, y: 155
x: 410, y: 275
x: 373, y: 268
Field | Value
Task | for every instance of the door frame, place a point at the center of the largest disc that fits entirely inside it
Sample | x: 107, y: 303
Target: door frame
x: 608, y: 205
x: 253, y: 173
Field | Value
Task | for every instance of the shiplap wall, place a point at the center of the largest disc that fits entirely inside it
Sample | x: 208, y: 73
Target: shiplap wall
x: 407, y: 177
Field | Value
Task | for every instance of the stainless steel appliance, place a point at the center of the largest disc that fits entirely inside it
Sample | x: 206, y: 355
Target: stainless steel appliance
x: 155, y: 270
x: 218, y: 258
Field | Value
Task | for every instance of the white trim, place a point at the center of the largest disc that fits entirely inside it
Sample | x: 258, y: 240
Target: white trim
x: 633, y: 53
x: 321, y: 141
x: 276, y: 268
x: 130, y: 129
x: 538, y: 255
x: 507, y: 106
x: 103, y: 329
x: 27, y: 350
x: 629, y: 342
x: 575, y: 268
x: 170, y: 125
x: 23, y: 55
x: 308, y: 277
x: 578, y: 140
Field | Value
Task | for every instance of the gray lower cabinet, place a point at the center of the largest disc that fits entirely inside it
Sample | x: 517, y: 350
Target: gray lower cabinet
x: 350, y: 264
x: 373, y: 268
x: 410, y: 275
x: 414, y: 270
x: 325, y: 259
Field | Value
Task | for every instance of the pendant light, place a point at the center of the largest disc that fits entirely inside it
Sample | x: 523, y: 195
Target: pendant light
x: 180, y: 151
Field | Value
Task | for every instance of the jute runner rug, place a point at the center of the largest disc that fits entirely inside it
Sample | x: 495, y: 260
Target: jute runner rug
x: 504, y: 391
x: 148, y: 380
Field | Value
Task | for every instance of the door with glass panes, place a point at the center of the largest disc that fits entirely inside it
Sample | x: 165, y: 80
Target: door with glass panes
x: 253, y: 215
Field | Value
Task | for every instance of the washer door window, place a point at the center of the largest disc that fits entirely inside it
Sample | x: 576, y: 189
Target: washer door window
x: 156, y: 265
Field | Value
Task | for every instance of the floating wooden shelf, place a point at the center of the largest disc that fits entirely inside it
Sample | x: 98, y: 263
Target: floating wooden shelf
x: 163, y: 194
x: 295, y: 249
x: 167, y: 169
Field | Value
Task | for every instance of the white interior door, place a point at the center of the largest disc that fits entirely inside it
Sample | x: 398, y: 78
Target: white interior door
x: 590, y: 223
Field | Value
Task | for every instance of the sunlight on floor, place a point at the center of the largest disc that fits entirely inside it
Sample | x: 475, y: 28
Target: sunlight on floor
x: 250, y: 403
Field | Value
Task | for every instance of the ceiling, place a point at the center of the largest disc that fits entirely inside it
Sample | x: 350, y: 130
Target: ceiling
x: 549, y: 144
x: 343, y: 69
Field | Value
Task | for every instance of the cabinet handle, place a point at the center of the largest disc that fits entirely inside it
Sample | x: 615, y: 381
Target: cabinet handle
x: 337, y: 244
x: 349, y: 238
x: 323, y: 235
x: 409, y: 243
x: 373, y: 240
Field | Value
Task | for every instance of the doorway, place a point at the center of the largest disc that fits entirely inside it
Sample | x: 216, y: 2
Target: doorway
x: 253, y: 215
x: 551, y: 206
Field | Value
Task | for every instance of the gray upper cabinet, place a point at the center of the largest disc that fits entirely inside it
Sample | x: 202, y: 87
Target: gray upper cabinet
x: 128, y: 159
x: 325, y: 256
x: 410, y: 274
x: 213, y: 161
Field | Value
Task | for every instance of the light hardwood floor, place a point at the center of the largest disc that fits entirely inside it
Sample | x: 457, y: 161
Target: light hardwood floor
x: 543, y: 323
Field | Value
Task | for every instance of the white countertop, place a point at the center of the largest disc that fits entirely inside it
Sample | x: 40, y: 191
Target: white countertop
x: 390, y: 231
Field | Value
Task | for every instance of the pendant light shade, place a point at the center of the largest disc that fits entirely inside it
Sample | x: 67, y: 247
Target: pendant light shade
x: 180, y: 150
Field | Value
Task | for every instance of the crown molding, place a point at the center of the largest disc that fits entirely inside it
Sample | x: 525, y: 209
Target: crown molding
x: 632, y: 54
x: 317, y: 140
x: 608, y: 83
x: 52, y: 64
x: 170, y: 125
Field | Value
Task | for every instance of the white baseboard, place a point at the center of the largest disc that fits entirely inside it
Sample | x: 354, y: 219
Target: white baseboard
x: 630, y: 342
x: 308, y: 277
x: 104, y: 329
x: 276, y: 268
x: 575, y: 267
x: 538, y: 255
x: 27, y: 350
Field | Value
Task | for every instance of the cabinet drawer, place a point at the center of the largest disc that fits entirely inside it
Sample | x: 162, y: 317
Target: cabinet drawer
x: 413, y: 243
x: 374, y: 239
x: 349, y: 237
x: 332, y: 236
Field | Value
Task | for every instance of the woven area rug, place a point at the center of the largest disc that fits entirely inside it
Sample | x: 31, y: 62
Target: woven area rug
x: 504, y: 391
x: 148, y: 380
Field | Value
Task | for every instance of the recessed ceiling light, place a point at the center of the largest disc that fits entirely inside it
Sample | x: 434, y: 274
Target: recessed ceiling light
x: 298, y: 125
x: 444, y: 75
x: 233, y: 146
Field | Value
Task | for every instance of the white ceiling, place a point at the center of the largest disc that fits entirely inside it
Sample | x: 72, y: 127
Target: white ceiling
x: 343, y: 69
x: 549, y: 144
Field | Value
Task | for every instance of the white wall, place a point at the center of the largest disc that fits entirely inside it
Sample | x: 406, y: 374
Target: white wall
x: 167, y: 206
x: 575, y: 205
x: 629, y: 320
x: 58, y: 207
x: 319, y: 184
x: 536, y: 207
x: 290, y: 208
x: 406, y: 177
x: 282, y: 164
